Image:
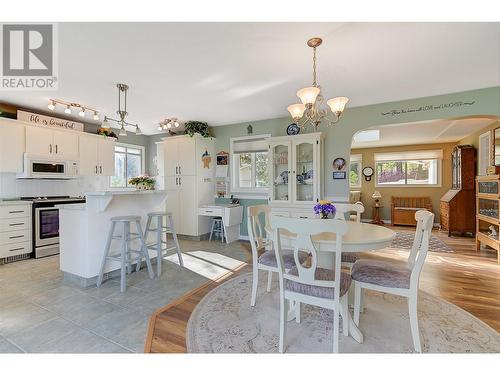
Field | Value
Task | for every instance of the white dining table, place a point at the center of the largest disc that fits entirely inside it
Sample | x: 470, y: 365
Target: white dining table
x: 360, y: 237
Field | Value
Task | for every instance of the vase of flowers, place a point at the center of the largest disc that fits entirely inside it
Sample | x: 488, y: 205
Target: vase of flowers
x: 324, y: 209
x: 143, y: 182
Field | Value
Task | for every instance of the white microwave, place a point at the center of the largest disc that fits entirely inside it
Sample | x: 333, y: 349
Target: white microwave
x: 41, y: 167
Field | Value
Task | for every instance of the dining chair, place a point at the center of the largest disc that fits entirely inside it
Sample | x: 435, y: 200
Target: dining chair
x: 354, y: 210
x: 387, y: 277
x: 259, y: 242
x: 312, y: 285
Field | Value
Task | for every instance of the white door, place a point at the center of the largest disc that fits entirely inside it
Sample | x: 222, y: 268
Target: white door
x: 65, y: 145
x: 186, y: 149
x: 89, y: 158
x: 303, y: 171
x: 170, y: 161
x: 11, y: 147
x: 188, y: 206
x: 106, y: 158
x: 280, y: 172
x: 39, y: 141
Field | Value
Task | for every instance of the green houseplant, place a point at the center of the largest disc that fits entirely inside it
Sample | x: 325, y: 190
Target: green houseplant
x: 199, y: 127
x: 143, y: 182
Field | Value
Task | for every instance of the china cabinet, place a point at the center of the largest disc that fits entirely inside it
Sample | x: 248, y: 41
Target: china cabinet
x: 295, y: 168
x: 457, y: 204
x: 488, y: 215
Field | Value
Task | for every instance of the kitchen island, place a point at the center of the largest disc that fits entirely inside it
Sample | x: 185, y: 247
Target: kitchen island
x: 84, y: 229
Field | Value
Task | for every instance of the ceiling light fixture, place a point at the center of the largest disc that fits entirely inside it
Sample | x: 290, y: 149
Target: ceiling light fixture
x: 168, y: 123
x: 105, y: 123
x: 82, y: 110
x: 122, y: 112
x: 310, y: 111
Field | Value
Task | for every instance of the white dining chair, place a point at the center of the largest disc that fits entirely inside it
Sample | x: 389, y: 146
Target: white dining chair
x: 259, y: 242
x: 312, y: 285
x: 387, y: 277
x: 354, y: 210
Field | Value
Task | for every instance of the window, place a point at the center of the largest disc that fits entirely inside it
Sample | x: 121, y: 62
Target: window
x: 129, y: 163
x: 249, y: 158
x: 355, y: 166
x: 418, y: 168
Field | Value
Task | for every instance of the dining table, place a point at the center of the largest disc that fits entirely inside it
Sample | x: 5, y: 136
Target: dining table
x: 360, y: 237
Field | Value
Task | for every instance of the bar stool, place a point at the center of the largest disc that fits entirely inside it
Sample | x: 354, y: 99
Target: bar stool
x: 217, y: 228
x: 169, y: 228
x: 124, y: 257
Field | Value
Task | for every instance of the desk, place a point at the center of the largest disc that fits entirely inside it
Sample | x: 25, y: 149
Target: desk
x: 231, y: 214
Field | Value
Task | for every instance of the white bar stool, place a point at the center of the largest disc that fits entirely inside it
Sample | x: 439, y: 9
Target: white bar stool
x: 169, y: 228
x: 124, y: 257
x: 217, y: 228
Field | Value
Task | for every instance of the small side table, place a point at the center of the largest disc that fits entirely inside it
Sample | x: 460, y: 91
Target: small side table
x: 376, y: 215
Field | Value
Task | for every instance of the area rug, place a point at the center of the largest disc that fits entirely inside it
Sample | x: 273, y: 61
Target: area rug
x: 224, y: 322
x: 404, y: 240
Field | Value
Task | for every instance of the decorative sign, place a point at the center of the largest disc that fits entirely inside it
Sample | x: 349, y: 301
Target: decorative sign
x: 339, y: 175
x: 206, y: 159
x: 425, y: 108
x: 52, y: 122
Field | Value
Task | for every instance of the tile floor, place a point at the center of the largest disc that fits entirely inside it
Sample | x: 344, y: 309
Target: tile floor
x: 41, y: 313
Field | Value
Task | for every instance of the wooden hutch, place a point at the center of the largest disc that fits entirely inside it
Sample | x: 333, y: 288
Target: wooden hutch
x: 457, y: 206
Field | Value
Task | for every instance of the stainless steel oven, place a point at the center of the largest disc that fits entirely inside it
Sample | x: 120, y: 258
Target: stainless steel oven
x: 46, y: 223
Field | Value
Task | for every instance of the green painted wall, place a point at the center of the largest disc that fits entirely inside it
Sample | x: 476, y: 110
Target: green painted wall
x: 338, y: 138
x: 245, y: 203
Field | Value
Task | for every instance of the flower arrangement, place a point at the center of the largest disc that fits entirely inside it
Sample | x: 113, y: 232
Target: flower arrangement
x: 199, y: 127
x: 143, y: 182
x: 106, y: 133
x: 324, y: 208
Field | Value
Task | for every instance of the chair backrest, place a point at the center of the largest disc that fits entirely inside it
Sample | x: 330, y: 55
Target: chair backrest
x: 256, y: 229
x: 304, y: 230
x: 418, y: 253
x: 347, y: 208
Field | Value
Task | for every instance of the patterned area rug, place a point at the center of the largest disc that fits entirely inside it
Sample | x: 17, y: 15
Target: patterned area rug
x: 404, y: 240
x: 224, y: 322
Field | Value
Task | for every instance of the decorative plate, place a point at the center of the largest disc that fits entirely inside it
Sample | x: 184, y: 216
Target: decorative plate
x: 284, y: 176
x: 339, y: 163
x: 308, y: 175
x: 293, y: 129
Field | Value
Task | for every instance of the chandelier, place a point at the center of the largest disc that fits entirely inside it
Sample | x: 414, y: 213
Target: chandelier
x: 122, y: 113
x: 168, y: 123
x: 310, y: 111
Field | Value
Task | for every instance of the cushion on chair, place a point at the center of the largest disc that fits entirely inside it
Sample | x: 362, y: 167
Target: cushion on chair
x: 381, y: 273
x: 319, y: 291
x: 350, y: 257
x: 268, y: 258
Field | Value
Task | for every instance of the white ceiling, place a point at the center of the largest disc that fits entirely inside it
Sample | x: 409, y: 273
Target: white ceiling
x: 425, y: 132
x: 224, y: 73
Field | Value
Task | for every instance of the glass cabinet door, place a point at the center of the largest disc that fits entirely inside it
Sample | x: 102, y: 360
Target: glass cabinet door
x: 303, y: 171
x: 280, y: 172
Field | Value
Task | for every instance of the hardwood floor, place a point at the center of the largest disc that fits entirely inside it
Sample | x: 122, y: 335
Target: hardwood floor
x: 466, y: 278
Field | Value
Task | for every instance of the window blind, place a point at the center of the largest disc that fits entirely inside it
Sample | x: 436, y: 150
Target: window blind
x: 356, y: 158
x: 409, y: 155
x: 250, y: 145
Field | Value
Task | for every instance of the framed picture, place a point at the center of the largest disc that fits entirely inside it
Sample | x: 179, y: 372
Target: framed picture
x: 222, y: 158
x: 339, y: 175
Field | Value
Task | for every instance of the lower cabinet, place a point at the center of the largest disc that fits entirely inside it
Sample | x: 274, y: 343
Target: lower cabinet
x: 15, y: 230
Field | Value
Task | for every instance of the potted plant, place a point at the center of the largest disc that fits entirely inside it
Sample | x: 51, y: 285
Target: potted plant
x: 143, y: 182
x: 325, y: 209
x: 199, y: 127
x: 106, y: 133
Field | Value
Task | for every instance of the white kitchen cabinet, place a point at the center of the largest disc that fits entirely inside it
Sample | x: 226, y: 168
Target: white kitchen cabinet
x: 15, y: 228
x: 12, y: 144
x: 96, y: 156
x: 295, y: 166
x: 189, y: 184
x: 53, y: 144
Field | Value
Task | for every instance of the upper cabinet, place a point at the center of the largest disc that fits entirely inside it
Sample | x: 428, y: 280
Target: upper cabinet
x: 97, y: 157
x: 51, y: 143
x: 179, y: 156
x: 11, y: 147
x: 295, y: 166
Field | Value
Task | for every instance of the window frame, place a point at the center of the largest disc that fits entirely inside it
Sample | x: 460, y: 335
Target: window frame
x: 234, y: 171
x: 360, y: 170
x: 436, y: 185
x: 143, y: 163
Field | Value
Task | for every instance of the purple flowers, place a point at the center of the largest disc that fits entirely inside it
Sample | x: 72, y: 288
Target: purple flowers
x: 325, y: 208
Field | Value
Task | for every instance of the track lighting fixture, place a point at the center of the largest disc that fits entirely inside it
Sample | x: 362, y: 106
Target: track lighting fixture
x: 82, y: 110
x: 68, y: 110
x: 96, y: 116
x: 168, y: 123
x: 52, y: 105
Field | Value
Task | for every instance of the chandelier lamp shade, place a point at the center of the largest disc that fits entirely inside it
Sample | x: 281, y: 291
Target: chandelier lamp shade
x: 122, y: 113
x: 69, y: 107
x: 310, y: 111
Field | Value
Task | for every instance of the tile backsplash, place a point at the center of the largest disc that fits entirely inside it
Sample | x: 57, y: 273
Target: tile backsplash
x: 10, y: 187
